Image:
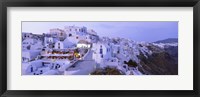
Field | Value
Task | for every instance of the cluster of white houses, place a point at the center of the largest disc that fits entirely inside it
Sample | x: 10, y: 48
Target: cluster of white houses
x: 54, y: 51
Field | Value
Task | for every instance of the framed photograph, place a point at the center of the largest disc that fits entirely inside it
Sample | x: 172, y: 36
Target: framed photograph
x: 90, y: 48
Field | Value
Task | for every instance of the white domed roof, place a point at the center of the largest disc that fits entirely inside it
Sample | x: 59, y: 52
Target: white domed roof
x: 67, y: 43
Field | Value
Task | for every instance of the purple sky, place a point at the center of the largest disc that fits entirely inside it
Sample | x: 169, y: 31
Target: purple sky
x: 138, y: 31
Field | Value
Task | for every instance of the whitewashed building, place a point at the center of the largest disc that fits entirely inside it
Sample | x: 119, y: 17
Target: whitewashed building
x: 33, y: 66
x: 101, y: 52
x: 93, y: 37
x: 48, y: 40
x: 115, y: 49
x: 29, y: 55
x: 64, y: 44
x: 32, y: 44
x: 59, y: 45
x: 75, y: 34
x: 73, y: 30
x: 37, y: 46
x: 26, y: 35
x: 38, y: 67
x: 27, y: 43
x: 111, y: 62
x: 58, y: 33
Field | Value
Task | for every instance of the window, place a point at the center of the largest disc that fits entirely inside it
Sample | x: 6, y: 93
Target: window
x: 77, y: 37
x: 101, y: 51
x: 124, y: 66
x: 59, y: 45
x: 101, y: 56
x: 70, y: 34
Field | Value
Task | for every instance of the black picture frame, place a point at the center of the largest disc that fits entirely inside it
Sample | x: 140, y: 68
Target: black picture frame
x: 100, y: 3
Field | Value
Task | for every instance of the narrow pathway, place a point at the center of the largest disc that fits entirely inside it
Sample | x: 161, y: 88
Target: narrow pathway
x: 83, y: 67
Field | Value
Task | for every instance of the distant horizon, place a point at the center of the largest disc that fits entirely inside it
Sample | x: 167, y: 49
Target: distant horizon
x: 137, y: 31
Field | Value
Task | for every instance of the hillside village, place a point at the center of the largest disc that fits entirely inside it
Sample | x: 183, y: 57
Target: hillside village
x: 77, y: 50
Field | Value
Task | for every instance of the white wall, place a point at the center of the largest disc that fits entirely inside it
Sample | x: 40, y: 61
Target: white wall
x: 59, y: 44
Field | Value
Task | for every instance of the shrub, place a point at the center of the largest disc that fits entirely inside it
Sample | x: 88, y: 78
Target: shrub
x: 107, y: 71
x: 131, y: 63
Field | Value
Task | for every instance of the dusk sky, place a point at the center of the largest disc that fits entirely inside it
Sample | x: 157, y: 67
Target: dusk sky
x: 138, y: 31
